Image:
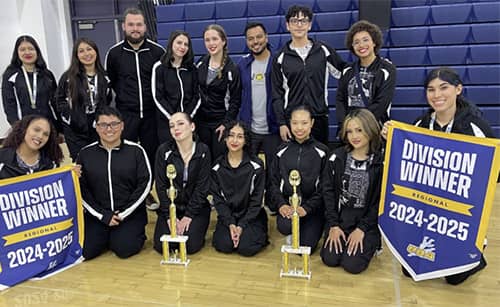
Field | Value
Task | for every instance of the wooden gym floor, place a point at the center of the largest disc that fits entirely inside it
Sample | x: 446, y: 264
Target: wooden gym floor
x: 214, y: 279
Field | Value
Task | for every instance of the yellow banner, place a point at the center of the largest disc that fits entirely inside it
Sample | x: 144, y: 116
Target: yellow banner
x: 432, y: 200
x: 38, y: 232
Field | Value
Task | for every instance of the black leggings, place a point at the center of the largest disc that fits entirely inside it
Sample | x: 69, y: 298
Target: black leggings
x: 124, y: 240
x: 354, y: 264
x: 311, y: 228
x: 253, y: 238
x: 197, y: 231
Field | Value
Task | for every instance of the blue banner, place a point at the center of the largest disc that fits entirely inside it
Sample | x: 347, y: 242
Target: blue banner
x: 41, y: 225
x: 436, y: 199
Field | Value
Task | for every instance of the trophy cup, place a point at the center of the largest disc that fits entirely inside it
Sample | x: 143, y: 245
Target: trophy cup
x: 295, y: 248
x: 169, y: 258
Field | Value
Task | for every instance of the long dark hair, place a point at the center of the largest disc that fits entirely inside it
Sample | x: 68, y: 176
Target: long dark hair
x: 15, y: 138
x: 167, y: 57
x: 220, y: 30
x: 246, y: 132
x: 16, y: 62
x: 451, y: 76
x: 76, y: 71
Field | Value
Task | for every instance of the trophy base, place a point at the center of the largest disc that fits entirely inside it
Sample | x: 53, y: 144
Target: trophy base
x: 175, y: 259
x: 296, y: 274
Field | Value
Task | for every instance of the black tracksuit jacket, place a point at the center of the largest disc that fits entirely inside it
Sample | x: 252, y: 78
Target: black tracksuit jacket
x: 379, y: 89
x: 73, y: 114
x: 16, y: 98
x: 348, y: 218
x: 221, y: 99
x: 309, y: 158
x: 296, y: 82
x: 130, y: 73
x: 237, y: 192
x: 9, y: 167
x: 175, y: 89
x: 192, y: 196
x: 116, y: 180
x: 467, y: 121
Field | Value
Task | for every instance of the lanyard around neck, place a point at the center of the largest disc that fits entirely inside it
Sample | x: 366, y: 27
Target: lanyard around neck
x: 31, y: 92
x: 91, y: 92
x: 433, y: 120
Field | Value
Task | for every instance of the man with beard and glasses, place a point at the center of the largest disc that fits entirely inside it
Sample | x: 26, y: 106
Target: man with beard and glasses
x: 129, y: 65
x: 256, y: 100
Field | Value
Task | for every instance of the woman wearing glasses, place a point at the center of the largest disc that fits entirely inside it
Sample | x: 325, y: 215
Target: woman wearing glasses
x: 116, y: 178
x: 82, y: 89
x: 370, y: 81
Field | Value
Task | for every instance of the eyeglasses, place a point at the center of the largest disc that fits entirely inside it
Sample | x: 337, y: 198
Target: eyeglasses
x: 301, y: 21
x: 364, y: 40
x: 112, y: 125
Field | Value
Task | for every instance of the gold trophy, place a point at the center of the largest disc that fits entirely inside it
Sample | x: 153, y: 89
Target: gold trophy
x: 295, y: 248
x: 173, y: 258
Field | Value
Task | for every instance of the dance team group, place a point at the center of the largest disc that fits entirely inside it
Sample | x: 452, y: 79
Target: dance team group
x: 212, y: 118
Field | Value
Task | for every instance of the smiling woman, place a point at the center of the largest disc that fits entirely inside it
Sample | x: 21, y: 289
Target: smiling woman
x: 83, y: 88
x: 238, y: 179
x: 219, y: 88
x: 370, y: 81
x: 31, y: 146
x: 174, y: 82
x: 27, y: 85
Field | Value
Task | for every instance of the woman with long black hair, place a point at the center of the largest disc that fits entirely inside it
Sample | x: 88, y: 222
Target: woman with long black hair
x: 82, y: 89
x: 174, y: 82
x: 28, y: 86
x: 237, y: 186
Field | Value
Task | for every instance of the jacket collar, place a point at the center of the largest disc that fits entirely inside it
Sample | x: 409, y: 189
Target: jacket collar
x: 127, y: 46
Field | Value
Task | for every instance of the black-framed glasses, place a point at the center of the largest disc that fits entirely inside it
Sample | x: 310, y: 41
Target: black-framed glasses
x: 299, y: 21
x: 112, y: 125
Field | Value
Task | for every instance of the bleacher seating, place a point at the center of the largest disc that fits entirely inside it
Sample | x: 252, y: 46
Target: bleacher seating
x: 424, y: 34
x: 230, y: 9
x: 263, y: 8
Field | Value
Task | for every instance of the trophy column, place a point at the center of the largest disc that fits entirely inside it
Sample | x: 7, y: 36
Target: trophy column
x: 295, y: 248
x: 174, y: 258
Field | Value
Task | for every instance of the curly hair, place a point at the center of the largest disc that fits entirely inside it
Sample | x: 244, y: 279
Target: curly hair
x: 246, y: 133
x: 17, y: 133
x: 360, y: 26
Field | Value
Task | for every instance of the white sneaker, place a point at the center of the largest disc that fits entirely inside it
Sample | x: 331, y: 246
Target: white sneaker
x: 151, y: 203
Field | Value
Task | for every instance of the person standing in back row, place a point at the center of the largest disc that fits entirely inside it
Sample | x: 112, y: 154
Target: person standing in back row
x: 300, y: 74
x: 256, y: 99
x: 219, y: 88
x: 129, y: 65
